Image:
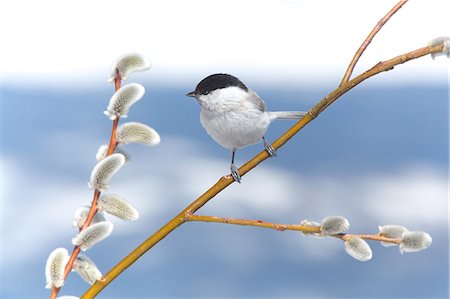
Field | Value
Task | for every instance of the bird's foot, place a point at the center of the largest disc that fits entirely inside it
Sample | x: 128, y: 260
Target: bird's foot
x: 235, y: 173
x: 272, y: 152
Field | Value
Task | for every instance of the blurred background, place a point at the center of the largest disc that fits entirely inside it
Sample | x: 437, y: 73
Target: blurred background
x: 377, y: 156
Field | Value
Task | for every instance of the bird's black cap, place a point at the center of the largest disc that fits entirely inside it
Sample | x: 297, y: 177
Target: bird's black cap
x: 216, y: 81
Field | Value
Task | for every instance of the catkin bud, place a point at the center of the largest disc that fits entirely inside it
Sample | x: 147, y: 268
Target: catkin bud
x: 115, y: 205
x: 443, y: 40
x: 358, y: 249
x: 104, y: 170
x: 81, y: 215
x: 102, y: 152
x: 308, y: 223
x: 121, y: 101
x: 54, y: 268
x: 86, y: 268
x: 414, y: 241
x: 92, y: 234
x: 334, y: 225
x: 134, y: 132
x: 129, y: 63
x: 391, y: 231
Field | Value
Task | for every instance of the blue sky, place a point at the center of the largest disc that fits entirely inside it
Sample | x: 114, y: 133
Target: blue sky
x: 377, y: 156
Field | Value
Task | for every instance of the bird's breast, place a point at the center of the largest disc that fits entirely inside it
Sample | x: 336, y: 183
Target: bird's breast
x: 235, y: 129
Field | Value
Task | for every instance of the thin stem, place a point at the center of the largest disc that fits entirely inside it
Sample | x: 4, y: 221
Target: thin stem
x: 256, y: 223
x: 117, y: 80
x: 376, y: 237
x: 113, y: 141
x: 369, y: 38
x: 284, y: 227
x: 225, y: 181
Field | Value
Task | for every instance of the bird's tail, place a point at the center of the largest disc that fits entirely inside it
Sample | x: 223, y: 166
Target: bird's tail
x: 287, y: 114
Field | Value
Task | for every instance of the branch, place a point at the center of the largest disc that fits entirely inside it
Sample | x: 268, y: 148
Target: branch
x: 225, y: 181
x: 375, y: 237
x: 256, y: 223
x: 93, y: 210
x: 284, y: 227
x: 369, y: 38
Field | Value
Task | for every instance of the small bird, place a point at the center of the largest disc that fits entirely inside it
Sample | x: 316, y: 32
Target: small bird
x: 234, y: 115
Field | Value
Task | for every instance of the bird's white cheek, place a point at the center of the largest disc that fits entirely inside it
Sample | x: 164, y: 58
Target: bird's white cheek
x: 223, y: 100
x: 209, y: 102
x: 201, y: 100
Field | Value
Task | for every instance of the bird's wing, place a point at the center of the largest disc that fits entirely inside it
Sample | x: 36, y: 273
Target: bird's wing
x: 256, y: 100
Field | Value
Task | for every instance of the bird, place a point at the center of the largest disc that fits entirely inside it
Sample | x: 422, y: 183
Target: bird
x: 234, y: 115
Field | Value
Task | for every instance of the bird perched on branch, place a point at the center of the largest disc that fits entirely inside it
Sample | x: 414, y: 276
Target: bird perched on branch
x: 234, y: 115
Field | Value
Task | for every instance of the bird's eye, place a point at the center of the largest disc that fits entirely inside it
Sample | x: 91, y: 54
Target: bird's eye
x: 205, y: 92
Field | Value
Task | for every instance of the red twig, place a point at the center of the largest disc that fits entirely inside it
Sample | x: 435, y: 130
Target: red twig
x: 284, y: 227
x: 93, y: 209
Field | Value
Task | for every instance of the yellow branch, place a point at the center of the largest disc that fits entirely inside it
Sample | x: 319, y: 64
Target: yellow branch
x: 369, y: 38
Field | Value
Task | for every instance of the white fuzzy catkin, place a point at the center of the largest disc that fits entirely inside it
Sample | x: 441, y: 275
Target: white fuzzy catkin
x: 115, y: 205
x: 86, y: 268
x: 81, y: 215
x: 102, y: 152
x: 443, y: 40
x: 121, y: 101
x: 414, y: 241
x: 308, y: 223
x: 54, y: 268
x: 334, y: 225
x: 391, y: 231
x: 129, y: 63
x: 358, y: 249
x: 92, y: 234
x: 134, y: 132
x: 104, y: 170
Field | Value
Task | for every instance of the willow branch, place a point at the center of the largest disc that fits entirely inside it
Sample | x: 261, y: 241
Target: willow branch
x: 333, y: 96
x: 93, y: 209
x: 285, y: 227
x: 374, y: 237
x: 369, y: 38
x: 225, y: 181
x: 256, y: 223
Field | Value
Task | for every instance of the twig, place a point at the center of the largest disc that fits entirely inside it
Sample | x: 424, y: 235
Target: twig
x: 257, y: 223
x: 375, y: 237
x: 93, y: 209
x: 369, y: 38
x: 227, y: 180
x: 284, y: 227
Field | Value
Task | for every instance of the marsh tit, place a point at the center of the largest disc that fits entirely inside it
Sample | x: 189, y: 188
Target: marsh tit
x: 234, y: 115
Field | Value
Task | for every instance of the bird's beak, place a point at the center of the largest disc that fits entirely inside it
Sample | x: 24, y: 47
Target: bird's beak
x: 191, y: 94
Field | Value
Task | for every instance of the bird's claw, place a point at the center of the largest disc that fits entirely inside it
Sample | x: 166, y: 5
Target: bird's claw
x: 235, y: 173
x: 272, y: 152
